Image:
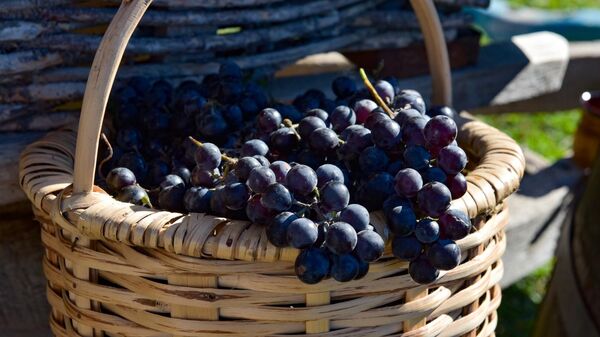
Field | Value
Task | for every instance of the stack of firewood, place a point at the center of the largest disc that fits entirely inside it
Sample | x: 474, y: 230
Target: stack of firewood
x: 46, y: 47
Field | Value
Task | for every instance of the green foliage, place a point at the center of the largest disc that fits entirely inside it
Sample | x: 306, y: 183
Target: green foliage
x: 556, y: 4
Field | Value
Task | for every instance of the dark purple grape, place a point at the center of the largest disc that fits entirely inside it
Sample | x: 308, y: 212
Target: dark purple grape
x: 324, y: 140
x: 310, y: 158
x: 233, y: 115
x: 230, y: 70
x: 204, y: 178
x: 171, y: 198
x: 134, y: 162
x: 444, y: 255
x: 434, y: 174
x: 356, y: 215
x: 207, y: 156
x: 394, y: 82
x: 454, y: 224
x: 260, y: 178
x: 316, y: 94
x: 160, y: 94
x: 277, y: 230
x: 171, y: 180
x: 440, y: 131
x: 312, y: 265
x: 244, y: 166
x: 281, y: 169
x: 304, y: 103
x: 457, y: 185
x: 363, y: 109
x: 373, y: 159
x: 416, y: 157
x: 289, y: 112
x: 120, y: 177
x: 363, y: 269
x: 249, y: 108
x: 254, y: 147
x: 394, y: 167
x: 393, y: 201
x: 386, y: 134
x: 262, y: 160
x: 308, y: 125
x: 276, y: 197
x: 369, y: 246
x: 452, y: 159
x: 183, y: 173
x: 236, y: 196
x: 410, y: 99
x: 343, y: 87
x: 408, y: 182
x: 404, y: 115
x: 328, y: 172
x: 269, y: 120
x: 197, y: 200
x: 258, y: 94
x: 256, y: 212
x: 427, y: 231
x: 421, y: 271
x: 341, y: 238
x: 357, y: 140
x: 342, y: 117
x: 385, y: 90
x: 412, y: 131
x: 301, y: 180
x: 129, y: 139
x: 434, y: 198
x: 344, y: 268
x: 376, y: 117
x: 230, y: 91
x: 302, y: 233
x: 283, y: 140
x: 211, y: 124
x: 133, y: 194
x: 441, y: 110
x: 334, y: 196
x: 319, y: 113
x: 373, y: 192
x: 157, y: 170
x: 402, y: 220
x: 406, y: 248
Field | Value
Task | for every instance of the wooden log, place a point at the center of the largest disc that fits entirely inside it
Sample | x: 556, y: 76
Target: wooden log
x: 406, y: 20
x: 28, y: 61
x: 41, y: 121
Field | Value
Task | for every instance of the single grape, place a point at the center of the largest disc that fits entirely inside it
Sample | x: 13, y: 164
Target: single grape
x: 236, y: 196
x: 404, y: 115
x: 129, y: 139
x: 357, y: 139
x: 171, y: 180
x: 269, y: 120
x: 324, y: 140
x: 328, y: 172
x: 373, y: 192
x: 183, y: 172
x: 278, y: 226
x: 385, y: 90
x: 312, y: 265
x: 444, y: 255
x: 386, y: 134
x: 369, y: 246
x: 373, y: 159
x: 356, y: 215
x: 262, y: 160
x: 406, y: 248
x: 254, y: 147
x: 256, y: 212
x: 342, y: 117
x: 302, y: 233
x: 171, y: 197
x: 440, y: 131
x: 281, y: 169
x: 204, y: 178
x: 319, y: 113
x: 301, y: 180
x: 208, y: 156
x: 363, y: 109
x: 434, y: 198
x: 454, y: 224
x: 394, y: 82
x: 393, y: 201
x: 457, y: 184
x: 441, y: 110
x: 452, y: 159
x: 233, y: 115
x: 197, y: 200
x: 309, y: 124
x: 344, y: 267
x: 334, y: 196
x: 244, y: 166
x: 283, y: 140
x: 120, y: 177
x: 276, y: 197
x: 229, y: 70
x: 341, y: 238
x: 427, y: 230
x: 402, y: 220
x: 416, y: 157
x: 230, y: 91
x: 260, y: 178
x: 211, y: 124
x: 434, y: 174
x: 343, y: 87
x: 410, y: 99
x: 363, y: 269
x: 376, y: 117
x: 421, y: 271
x: 408, y: 182
x: 133, y: 194
x: 412, y: 131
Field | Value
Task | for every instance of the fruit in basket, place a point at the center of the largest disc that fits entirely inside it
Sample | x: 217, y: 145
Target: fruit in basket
x: 309, y: 172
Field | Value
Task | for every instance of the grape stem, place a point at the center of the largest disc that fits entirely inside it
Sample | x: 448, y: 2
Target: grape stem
x: 289, y: 124
x: 108, y: 157
x: 224, y: 157
x: 374, y: 93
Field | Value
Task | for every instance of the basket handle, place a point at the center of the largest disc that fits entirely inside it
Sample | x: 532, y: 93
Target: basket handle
x: 112, y: 47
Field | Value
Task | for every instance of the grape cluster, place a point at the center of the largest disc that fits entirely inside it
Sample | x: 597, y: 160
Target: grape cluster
x: 310, y: 172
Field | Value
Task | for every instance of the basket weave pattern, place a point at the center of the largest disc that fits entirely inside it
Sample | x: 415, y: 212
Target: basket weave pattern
x: 151, y: 275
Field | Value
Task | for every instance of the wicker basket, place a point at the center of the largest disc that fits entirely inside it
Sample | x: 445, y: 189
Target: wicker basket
x: 116, y: 269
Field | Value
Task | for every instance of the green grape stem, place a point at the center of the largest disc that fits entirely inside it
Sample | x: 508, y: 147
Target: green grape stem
x: 374, y: 93
x: 224, y: 157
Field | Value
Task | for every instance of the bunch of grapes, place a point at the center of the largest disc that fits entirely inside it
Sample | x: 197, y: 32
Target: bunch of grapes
x: 310, y: 172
